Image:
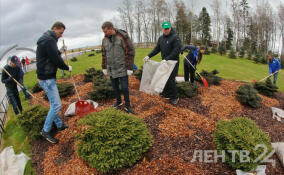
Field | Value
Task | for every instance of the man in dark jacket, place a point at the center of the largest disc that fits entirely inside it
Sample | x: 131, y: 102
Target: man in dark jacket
x: 117, y: 61
x: 21, y: 81
x: 169, y: 45
x: 48, y: 60
x: 11, y: 85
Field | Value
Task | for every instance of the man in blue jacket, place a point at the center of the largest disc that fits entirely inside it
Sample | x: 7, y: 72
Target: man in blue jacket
x: 274, y: 66
x: 48, y: 60
x: 194, y: 57
x: 169, y: 45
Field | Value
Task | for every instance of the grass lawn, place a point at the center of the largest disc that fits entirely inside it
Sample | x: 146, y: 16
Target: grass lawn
x: 233, y: 69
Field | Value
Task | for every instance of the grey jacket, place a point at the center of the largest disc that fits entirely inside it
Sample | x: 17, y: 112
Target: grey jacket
x: 117, y: 54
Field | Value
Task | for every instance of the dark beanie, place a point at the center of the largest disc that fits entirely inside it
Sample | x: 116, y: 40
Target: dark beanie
x: 14, y: 59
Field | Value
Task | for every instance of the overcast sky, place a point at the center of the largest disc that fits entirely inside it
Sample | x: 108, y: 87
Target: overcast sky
x: 22, y: 22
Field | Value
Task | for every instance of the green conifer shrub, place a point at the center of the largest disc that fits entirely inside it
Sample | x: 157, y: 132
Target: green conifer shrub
x: 247, y: 95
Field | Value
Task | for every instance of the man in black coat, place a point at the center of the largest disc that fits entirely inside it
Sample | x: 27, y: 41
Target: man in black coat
x: 48, y: 60
x: 169, y: 45
x: 11, y: 85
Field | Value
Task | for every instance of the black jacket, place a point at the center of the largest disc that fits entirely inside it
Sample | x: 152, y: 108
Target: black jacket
x: 9, y: 82
x: 48, y: 56
x: 169, y: 46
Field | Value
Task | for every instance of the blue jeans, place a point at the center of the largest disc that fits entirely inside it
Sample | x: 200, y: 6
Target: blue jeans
x: 50, y: 88
x: 124, y: 88
x: 275, y: 78
x: 14, y: 99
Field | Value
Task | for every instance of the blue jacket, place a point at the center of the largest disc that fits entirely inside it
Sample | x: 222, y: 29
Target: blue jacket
x: 274, y: 66
x: 191, y: 56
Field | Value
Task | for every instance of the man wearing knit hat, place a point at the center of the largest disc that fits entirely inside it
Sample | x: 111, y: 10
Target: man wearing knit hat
x: 11, y: 85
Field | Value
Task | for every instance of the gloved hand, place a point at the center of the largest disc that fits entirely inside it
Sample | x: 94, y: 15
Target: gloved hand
x: 70, y: 68
x: 129, y: 72
x: 105, y: 71
x: 146, y: 59
x: 163, y: 61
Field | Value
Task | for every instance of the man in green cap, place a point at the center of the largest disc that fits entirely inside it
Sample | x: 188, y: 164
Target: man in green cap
x: 169, y: 45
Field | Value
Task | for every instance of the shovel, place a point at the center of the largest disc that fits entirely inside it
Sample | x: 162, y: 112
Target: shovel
x: 82, y: 107
x: 19, y: 84
x: 264, y: 77
x: 202, y: 78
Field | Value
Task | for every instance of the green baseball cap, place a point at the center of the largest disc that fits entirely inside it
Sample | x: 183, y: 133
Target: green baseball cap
x: 166, y: 25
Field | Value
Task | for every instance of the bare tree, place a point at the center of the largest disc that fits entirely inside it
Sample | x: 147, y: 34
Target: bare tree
x: 236, y: 21
x: 281, y: 26
x: 146, y: 20
x: 216, y: 6
x: 126, y: 13
x: 138, y: 19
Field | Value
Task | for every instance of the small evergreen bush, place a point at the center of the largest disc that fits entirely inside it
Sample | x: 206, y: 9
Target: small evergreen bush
x: 36, y: 88
x: 207, y: 51
x: 266, y: 88
x: 92, y: 75
x: 247, y: 95
x: 211, y: 77
x: 74, y: 59
x: 241, y: 134
x: 64, y: 89
x: 263, y: 60
x: 32, y: 120
x: 257, y: 58
x: 98, y: 51
x: 186, y: 90
x: 214, y: 50
x: 232, y: 53
x: 102, y: 90
x: 91, y: 55
x: 112, y: 139
x: 242, y: 52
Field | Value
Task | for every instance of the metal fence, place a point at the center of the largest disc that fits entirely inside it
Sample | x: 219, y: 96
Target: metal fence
x: 4, y: 105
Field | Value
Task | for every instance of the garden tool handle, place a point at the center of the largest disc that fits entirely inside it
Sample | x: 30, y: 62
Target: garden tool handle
x: 71, y: 72
x: 268, y: 76
x: 191, y: 65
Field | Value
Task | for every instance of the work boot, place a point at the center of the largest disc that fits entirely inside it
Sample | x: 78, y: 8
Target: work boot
x: 174, y: 101
x: 48, y: 137
x: 117, y: 104
x: 129, y: 110
x: 62, y: 127
x: 164, y: 96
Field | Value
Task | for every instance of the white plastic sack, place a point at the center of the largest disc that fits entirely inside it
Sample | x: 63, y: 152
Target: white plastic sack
x: 72, y: 108
x: 260, y: 170
x: 279, y: 150
x: 11, y: 164
x: 278, y: 114
x: 155, y: 76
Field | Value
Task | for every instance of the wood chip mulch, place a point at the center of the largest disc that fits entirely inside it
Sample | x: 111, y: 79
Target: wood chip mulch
x: 177, y: 131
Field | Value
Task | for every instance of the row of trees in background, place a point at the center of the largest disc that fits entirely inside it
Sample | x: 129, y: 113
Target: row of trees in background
x: 253, y: 29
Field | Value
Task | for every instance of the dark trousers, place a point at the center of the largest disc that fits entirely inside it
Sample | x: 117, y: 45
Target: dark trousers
x: 14, y: 99
x: 124, y: 88
x: 170, y: 89
x: 188, y: 70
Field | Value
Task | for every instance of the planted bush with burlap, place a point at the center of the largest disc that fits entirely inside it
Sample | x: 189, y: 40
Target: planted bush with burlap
x: 241, y: 134
x: 247, y: 95
x: 92, y: 74
x: 211, y: 77
x: 102, y: 90
x: 64, y: 89
x: 32, y: 120
x: 112, y: 139
x: 266, y: 88
x: 36, y: 88
x: 186, y: 90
